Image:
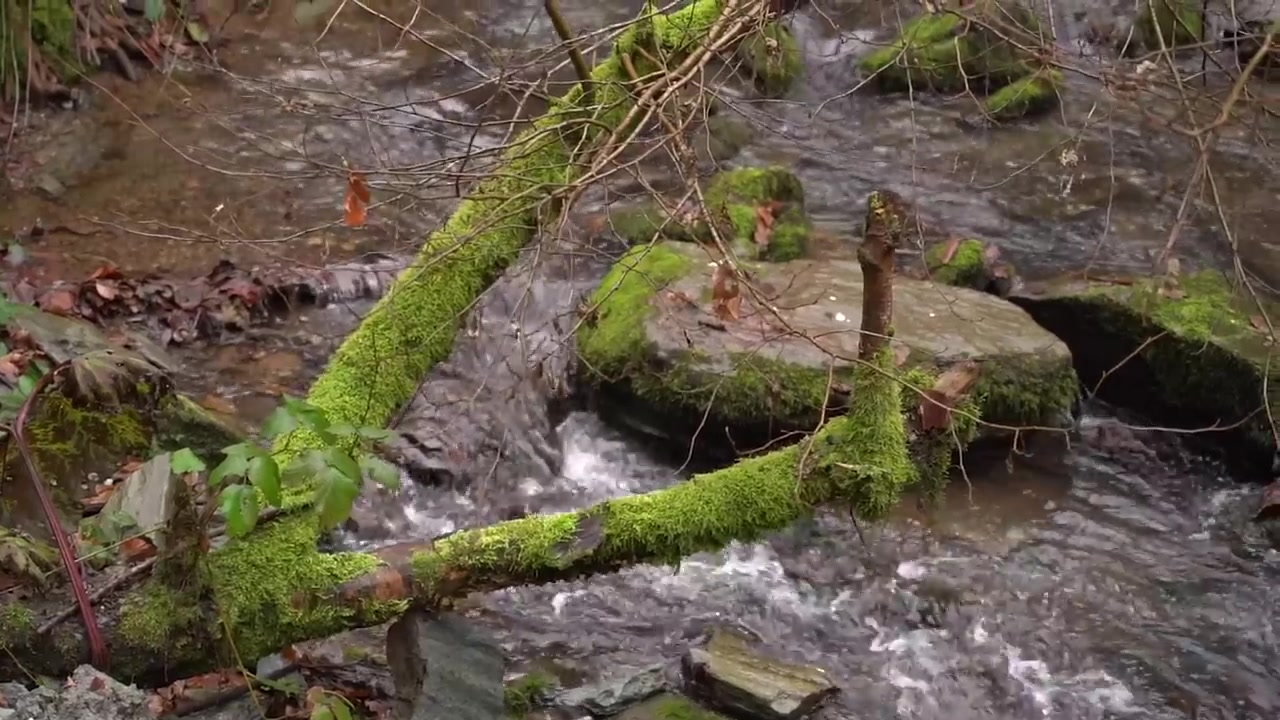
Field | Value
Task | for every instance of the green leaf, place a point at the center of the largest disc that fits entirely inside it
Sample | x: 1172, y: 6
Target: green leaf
x: 233, y: 466
x: 341, y: 710
x: 376, y: 434
x: 198, y: 32
x: 343, y: 429
x: 335, y: 494
x: 153, y: 10
x: 341, y: 460
x: 322, y: 712
x: 240, y: 507
x: 381, y: 471
x: 264, y: 473
x: 25, y: 385
x: 184, y: 461
x: 279, y: 422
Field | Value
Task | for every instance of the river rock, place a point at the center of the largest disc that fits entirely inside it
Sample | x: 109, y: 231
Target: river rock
x: 663, y: 362
x: 613, y: 694
x: 445, y: 667
x: 731, y: 676
x: 88, y: 695
x: 1192, y: 350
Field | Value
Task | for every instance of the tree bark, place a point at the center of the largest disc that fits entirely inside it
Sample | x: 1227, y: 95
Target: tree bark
x: 264, y: 592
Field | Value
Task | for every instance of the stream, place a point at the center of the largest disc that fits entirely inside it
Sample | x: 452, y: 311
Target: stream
x: 1110, y: 578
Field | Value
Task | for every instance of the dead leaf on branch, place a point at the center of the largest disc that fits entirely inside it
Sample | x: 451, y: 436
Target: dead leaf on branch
x: 357, y: 202
x: 949, y: 389
x: 726, y: 292
x: 766, y: 218
x: 952, y: 246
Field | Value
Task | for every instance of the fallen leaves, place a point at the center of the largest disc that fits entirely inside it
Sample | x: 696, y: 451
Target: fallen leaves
x: 726, y: 292
x: 137, y: 549
x: 356, y: 208
x: 949, y: 251
x: 180, y: 311
x: 948, y: 389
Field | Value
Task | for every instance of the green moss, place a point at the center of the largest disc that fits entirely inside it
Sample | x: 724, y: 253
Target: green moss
x: 1191, y: 350
x: 678, y: 708
x: 162, y: 621
x: 732, y: 198
x: 17, y: 625
x: 919, y: 33
x: 613, y: 342
x: 1026, y: 96
x: 1027, y: 391
x: 966, y: 268
x: 185, y: 424
x: 1169, y: 23
x: 773, y: 58
x: 522, y: 695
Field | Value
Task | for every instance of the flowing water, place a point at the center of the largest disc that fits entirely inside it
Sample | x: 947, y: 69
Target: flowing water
x: 1112, y: 578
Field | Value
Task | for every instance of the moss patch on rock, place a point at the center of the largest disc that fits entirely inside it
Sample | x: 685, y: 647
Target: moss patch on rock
x: 1190, y: 349
x: 983, y: 48
x: 733, y: 197
x: 773, y: 59
x: 1169, y: 24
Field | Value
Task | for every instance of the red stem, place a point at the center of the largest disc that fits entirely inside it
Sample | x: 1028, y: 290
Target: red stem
x: 97, y: 648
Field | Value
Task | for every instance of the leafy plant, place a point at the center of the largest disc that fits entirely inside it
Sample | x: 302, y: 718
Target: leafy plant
x: 250, y: 474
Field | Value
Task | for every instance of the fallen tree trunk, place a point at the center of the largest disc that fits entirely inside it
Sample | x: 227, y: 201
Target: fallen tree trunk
x: 244, y: 603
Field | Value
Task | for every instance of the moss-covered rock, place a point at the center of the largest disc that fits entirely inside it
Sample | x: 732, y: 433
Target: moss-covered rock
x: 50, y: 26
x: 655, y: 348
x: 736, y: 200
x: 1169, y: 24
x: 980, y: 49
x: 668, y: 706
x: 773, y: 58
x: 1190, y: 351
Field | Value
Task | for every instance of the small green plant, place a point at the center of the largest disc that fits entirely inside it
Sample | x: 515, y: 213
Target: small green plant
x: 337, y: 470
x: 523, y: 694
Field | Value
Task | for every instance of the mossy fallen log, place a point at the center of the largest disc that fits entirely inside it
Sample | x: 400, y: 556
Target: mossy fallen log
x: 241, y: 605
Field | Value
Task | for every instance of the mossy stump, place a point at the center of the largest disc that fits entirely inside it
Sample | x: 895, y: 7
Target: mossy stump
x: 1192, y: 351
x: 772, y: 57
x: 664, y: 363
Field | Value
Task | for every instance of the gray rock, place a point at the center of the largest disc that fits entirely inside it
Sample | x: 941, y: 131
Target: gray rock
x: 149, y: 498
x: 730, y: 676
x: 668, y: 706
x: 613, y: 695
x: 445, y: 667
x: 89, y: 695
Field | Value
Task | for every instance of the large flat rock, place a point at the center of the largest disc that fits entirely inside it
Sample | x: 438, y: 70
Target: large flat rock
x: 655, y: 343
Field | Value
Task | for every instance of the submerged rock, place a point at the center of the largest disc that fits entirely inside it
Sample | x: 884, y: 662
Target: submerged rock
x: 664, y: 359
x: 731, y: 676
x: 987, y: 47
x: 446, y: 667
x: 1192, y: 350
x: 759, y: 211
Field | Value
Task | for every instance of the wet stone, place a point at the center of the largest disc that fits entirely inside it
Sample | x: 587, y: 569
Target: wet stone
x: 730, y: 675
x: 88, y: 695
x: 446, y: 668
x: 612, y: 695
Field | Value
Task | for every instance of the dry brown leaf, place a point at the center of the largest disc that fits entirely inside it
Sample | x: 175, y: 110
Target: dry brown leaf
x: 12, y: 365
x: 950, y: 387
x: 137, y: 549
x: 107, y: 290
x: 949, y: 252
x: 58, y: 302
x: 1259, y: 323
x: 726, y: 300
x: 105, y: 271
x: 766, y: 217
x: 357, y: 202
